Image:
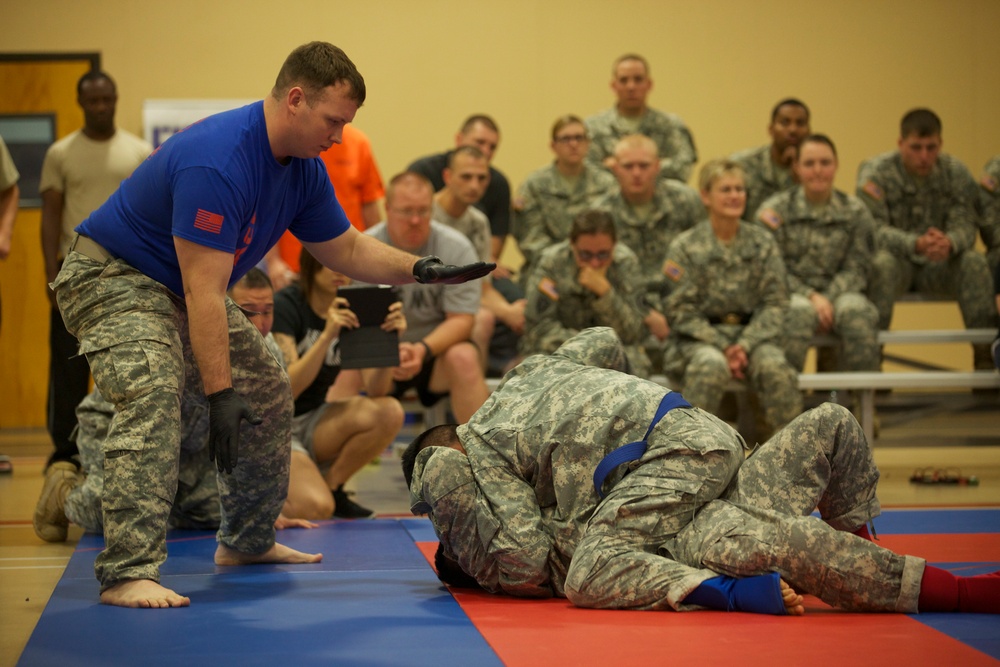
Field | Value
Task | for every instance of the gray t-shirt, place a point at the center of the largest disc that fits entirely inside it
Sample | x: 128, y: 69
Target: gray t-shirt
x: 426, y: 306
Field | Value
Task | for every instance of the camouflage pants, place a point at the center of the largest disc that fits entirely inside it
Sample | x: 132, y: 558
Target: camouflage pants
x: 657, y: 537
x: 964, y: 277
x: 855, y: 322
x: 691, y: 460
x: 134, y: 333
x: 762, y: 523
x: 769, y: 374
x: 196, y: 505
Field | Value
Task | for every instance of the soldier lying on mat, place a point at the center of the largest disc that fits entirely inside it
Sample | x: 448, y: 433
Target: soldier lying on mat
x: 688, y: 523
x: 77, y: 497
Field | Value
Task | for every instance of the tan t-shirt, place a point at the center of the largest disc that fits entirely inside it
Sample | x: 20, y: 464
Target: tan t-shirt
x: 87, y: 172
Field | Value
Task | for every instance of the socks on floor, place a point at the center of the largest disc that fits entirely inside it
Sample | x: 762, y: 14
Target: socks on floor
x: 941, y: 590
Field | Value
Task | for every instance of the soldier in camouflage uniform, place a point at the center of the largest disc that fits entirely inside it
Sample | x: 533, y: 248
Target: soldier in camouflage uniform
x: 825, y: 237
x: 631, y: 115
x: 588, y: 280
x: 511, y: 498
x: 551, y: 197
x: 728, y: 305
x: 989, y: 211
x: 769, y: 168
x: 143, y: 289
x: 649, y: 213
x: 925, y: 227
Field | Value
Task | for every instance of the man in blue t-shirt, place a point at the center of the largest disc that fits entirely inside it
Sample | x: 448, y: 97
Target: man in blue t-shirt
x: 143, y: 288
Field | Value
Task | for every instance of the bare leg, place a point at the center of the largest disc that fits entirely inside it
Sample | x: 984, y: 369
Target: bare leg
x: 143, y: 594
x: 278, y: 553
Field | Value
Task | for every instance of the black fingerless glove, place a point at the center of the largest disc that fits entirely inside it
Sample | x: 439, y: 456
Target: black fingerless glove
x: 432, y: 270
x: 225, y: 412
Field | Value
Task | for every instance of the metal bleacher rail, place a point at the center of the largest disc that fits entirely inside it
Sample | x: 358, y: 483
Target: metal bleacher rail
x: 863, y: 383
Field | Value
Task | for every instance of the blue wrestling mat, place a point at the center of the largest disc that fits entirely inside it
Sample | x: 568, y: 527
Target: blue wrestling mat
x: 374, y: 600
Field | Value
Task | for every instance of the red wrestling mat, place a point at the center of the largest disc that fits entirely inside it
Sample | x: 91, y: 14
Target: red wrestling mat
x: 552, y: 632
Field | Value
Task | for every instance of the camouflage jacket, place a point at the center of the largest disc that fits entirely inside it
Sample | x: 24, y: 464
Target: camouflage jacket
x: 904, y: 208
x: 826, y: 250
x: 715, y: 282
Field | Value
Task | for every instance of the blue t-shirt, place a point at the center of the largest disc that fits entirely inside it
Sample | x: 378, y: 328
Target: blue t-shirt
x: 216, y: 184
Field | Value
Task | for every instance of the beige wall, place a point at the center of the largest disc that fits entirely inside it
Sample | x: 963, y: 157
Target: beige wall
x: 720, y: 64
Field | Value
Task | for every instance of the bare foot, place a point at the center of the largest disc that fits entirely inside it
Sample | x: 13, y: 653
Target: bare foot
x: 278, y: 553
x: 144, y: 594
x: 793, y: 601
x: 283, y: 522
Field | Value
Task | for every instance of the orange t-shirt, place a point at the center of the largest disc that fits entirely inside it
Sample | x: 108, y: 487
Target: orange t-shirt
x: 356, y: 180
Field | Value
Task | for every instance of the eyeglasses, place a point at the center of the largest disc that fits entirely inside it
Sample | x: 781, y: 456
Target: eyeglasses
x: 570, y: 138
x: 412, y: 212
x: 588, y: 256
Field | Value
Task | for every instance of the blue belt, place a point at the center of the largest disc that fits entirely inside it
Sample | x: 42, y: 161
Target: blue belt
x: 635, y: 450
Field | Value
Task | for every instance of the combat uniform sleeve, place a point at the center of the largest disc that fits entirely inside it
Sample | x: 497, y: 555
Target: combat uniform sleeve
x: 544, y: 331
x: 596, y: 346
x: 444, y: 488
x: 960, y: 225
x: 768, y: 315
x: 684, y: 305
x: 529, y: 229
x: 681, y: 154
x: 853, y: 273
x: 871, y: 190
x: 620, y: 308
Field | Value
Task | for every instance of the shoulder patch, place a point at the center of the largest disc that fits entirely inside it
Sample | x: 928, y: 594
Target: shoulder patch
x: 988, y: 182
x: 547, y: 286
x: 770, y: 218
x: 873, y: 190
x: 673, y: 270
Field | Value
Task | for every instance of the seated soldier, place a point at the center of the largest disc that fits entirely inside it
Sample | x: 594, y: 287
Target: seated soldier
x: 989, y: 211
x: 686, y: 524
x: 925, y: 227
x: 588, y: 280
x: 728, y: 305
x: 332, y: 437
x: 649, y: 213
x: 550, y: 198
x: 825, y: 237
x: 770, y: 168
x: 196, y: 503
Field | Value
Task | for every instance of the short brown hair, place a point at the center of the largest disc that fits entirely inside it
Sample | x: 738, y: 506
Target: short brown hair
x: 314, y: 67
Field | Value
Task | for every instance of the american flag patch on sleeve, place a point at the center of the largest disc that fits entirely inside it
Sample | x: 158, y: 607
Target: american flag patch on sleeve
x: 547, y: 286
x: 207, y: 221
x: 770, y: 218
x: 673, y: 270
x: 873, y: 191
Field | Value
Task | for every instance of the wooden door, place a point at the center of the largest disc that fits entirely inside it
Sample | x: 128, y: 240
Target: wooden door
x: 32, y: 84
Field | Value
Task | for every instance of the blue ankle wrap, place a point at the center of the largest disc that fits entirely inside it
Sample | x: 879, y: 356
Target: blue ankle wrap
x: 757, y: 595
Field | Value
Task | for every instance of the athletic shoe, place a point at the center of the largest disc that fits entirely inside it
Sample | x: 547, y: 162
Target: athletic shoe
x: 345, y: 508
x: 50, y: 520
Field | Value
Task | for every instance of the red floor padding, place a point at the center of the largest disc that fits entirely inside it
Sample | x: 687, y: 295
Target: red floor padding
x: 529, y: 633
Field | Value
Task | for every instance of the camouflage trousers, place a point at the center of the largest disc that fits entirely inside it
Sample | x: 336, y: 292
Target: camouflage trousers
x: 196, y: 505
x: 770, y: 376
x: 763, y: 524
x: 964, y: 277
x: 134, y: 332
x: 660, y: 534
x: 692, y: 458
x: 855, y: 322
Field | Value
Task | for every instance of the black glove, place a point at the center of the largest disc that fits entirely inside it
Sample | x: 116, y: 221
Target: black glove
x: 225, y: 411
x: 433, y: 270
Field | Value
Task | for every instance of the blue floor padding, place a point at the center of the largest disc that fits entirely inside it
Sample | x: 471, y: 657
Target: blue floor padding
x: 938, y: 521
x: 373, y: 601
